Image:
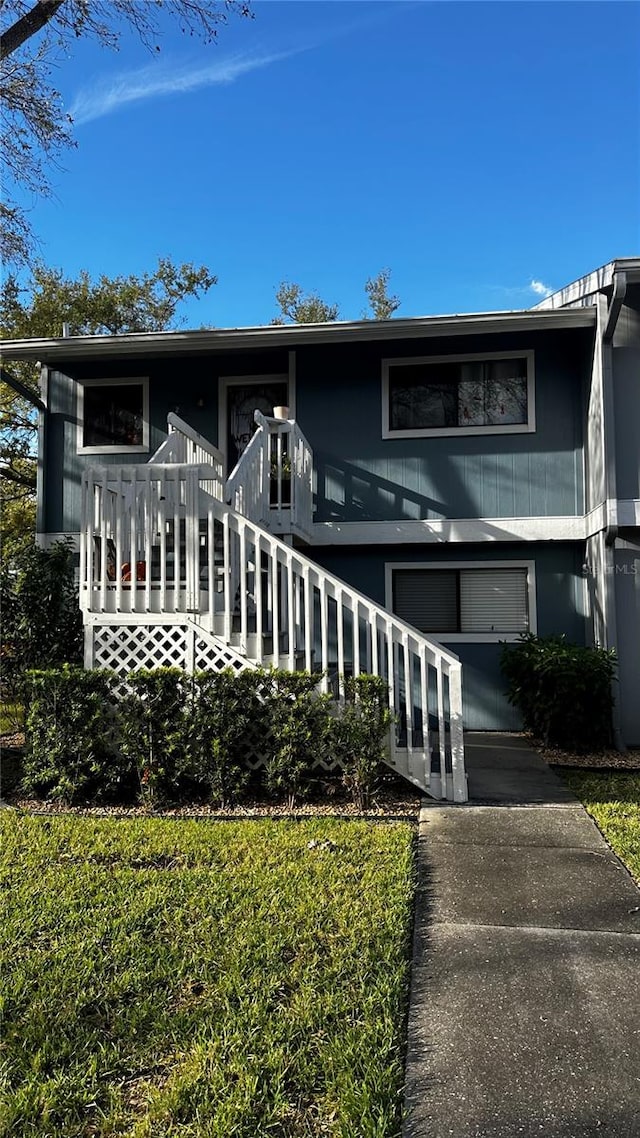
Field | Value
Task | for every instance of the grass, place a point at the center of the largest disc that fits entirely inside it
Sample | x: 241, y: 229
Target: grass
x: 11, y: 717
x: 613, y: 800
x: 183, y: 979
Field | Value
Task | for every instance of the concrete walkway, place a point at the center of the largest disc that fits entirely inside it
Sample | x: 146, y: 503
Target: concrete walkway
x: 525, y: 1002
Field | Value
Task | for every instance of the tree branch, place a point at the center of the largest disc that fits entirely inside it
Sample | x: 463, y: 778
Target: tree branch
x: 33, y: 21
x: 20, y: 479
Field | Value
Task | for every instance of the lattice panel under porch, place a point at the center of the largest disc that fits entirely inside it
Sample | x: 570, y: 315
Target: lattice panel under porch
x: 213, y: 655
x: 125, y: 647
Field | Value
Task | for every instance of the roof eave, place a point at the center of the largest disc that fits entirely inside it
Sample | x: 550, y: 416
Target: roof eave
x: 290, y: 335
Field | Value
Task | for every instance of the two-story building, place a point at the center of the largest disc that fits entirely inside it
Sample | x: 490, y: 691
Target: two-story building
x: 410, y: 494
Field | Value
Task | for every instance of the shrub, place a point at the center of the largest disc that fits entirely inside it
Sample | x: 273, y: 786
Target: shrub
x: 227, y: 707
x: 71, y: 746
x: 153, y: 722
x: 300, y: 725
x: 360, y: 735
x: 562, y: 691
x: 41, y: 618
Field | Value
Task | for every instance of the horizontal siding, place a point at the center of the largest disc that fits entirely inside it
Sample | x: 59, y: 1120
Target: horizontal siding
x: 360, y: 476
x: 363, y: 477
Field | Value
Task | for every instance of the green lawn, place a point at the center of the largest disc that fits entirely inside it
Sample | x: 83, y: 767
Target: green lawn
x: 190, y: 979
x: 613, y: 800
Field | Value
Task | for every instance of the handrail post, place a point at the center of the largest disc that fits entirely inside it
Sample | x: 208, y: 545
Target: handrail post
x: 460, y: 792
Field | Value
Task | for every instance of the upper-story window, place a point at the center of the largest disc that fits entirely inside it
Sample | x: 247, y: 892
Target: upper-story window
x: 113, y: 416
x: 451, y: 395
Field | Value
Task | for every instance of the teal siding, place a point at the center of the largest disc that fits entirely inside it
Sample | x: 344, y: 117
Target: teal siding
x: 363, y: 477
x: 559, y: 597
x: 178, y: 385
x: 360, y: 476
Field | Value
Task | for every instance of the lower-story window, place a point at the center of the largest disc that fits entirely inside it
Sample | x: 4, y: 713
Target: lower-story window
x: 482, y: 602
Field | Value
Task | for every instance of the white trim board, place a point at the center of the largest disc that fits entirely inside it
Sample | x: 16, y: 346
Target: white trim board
x: 469, y: 637
x: 629, y: 511
x: 440, y: 531
x: 454, y: 432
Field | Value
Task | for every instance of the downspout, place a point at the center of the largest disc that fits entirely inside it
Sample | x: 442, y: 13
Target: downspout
x: 610, y: 477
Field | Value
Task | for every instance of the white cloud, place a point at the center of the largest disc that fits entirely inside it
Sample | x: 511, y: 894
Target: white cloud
x: 149, y: 82
x: 539, y: 288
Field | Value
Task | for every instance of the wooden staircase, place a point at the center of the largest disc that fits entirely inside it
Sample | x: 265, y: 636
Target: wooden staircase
x: 179, y: 566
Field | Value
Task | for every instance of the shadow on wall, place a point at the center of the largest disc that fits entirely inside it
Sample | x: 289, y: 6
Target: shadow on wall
x: 350, y: 493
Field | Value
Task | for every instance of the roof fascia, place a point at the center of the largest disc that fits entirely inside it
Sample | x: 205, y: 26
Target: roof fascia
x: 290, y: 335
x: 585, y: 289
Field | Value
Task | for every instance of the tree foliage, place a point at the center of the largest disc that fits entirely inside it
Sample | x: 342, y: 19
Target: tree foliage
x: 297, y: 307
x: 35, y: 37
x: 108, y: 305
x: 381, y: 304
x: 41, y: 618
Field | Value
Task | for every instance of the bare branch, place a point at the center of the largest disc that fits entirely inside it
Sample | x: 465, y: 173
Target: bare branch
x: 28, y: 25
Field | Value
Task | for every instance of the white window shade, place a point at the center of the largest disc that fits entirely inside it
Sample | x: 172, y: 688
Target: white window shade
x: 494, y: 600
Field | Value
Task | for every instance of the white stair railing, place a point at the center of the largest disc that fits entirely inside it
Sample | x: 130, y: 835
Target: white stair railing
x: 279, y: 607
x: 272, y: 482
x: 248, y: 485
x: 141, y: 550
x: 155, y: 540
x: 186, y: 446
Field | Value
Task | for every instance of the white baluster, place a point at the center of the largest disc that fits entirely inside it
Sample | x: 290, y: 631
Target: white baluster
x: 441, y: 727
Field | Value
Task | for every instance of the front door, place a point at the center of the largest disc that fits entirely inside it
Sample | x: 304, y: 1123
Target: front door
x: 244, y: 396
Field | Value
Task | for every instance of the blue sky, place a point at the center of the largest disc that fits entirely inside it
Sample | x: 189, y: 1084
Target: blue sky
x: 470, y: 147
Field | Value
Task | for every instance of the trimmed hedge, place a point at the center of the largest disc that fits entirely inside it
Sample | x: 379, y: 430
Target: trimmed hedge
x: 72, y: 751
x: 172, y: 737
x: 563, y: 691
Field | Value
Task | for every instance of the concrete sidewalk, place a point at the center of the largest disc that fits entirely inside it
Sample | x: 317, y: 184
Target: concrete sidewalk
x: 525, y: 1002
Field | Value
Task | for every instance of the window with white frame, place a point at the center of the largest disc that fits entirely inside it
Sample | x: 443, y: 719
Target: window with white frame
x: 113, y: 416
x: 487, y: 602
x: 447, y: 395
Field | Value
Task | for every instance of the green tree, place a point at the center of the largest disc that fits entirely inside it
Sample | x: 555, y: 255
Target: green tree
x: 109, y: 305
x: 381, y: 304
x: 297, y: 307
x: 35, y: 35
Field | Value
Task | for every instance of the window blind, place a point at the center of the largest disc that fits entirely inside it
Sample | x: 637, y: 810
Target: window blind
x: 427, y: 599
x: 462, y: 600
x: 494, y: 600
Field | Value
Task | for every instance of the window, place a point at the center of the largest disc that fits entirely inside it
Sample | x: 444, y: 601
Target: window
x: 113, y: 416
x: 494, y: 601
x: 448, y: 395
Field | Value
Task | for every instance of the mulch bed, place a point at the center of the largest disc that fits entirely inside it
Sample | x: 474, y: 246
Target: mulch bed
x: 394, y: 798
x: 593, y: 760
x: 388, y: 804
